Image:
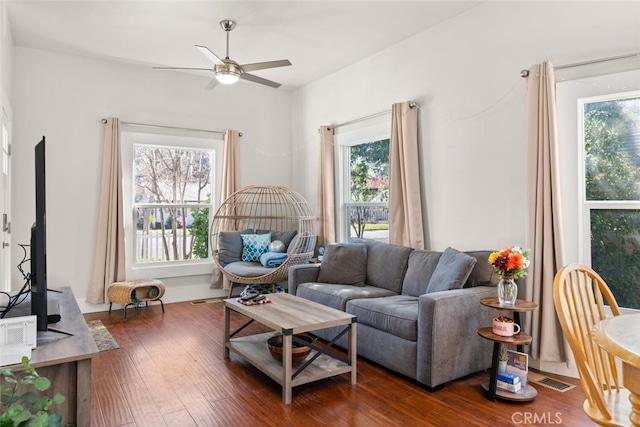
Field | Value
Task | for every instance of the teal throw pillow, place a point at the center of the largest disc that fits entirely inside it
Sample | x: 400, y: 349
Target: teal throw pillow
x: 254, y: 245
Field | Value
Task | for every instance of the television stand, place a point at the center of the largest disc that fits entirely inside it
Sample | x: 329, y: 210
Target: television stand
x: 67, y: 359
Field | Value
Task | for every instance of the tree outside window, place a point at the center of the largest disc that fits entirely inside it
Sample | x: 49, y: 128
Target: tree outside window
x: 368, y: 203
x: 612, y: 190
x: 172, y: 199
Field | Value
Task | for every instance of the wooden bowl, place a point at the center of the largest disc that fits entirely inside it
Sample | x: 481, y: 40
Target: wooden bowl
x: 298, y: 352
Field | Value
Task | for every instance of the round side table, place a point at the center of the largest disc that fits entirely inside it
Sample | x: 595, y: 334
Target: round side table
x: 520, y: 306
x: 518, y: 340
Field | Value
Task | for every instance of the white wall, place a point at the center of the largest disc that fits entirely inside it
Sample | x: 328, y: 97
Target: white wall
x: 64, y: 98
x: 464, y: 73
x: 6, y: 52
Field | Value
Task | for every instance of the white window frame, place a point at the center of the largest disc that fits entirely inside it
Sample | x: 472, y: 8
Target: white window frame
x: 589, y: 205
x: 134, y: 135
x: 570, y: 92
x: 346, y: 136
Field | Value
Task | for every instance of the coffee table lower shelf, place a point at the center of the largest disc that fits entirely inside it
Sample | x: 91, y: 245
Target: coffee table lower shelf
x: 529, y: 393
x: 254, y: 350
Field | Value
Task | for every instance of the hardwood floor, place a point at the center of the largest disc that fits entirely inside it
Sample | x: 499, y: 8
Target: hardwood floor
x: 169, y: 371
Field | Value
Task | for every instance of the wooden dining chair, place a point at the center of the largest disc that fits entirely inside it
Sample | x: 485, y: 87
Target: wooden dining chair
x: 580, y: 297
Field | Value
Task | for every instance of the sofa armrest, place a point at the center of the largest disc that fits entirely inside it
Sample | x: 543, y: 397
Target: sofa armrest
x: 302, y: 273
x: 449, y: 346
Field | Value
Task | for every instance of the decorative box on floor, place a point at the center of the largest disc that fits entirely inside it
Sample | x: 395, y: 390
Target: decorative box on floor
x: 135, y: 292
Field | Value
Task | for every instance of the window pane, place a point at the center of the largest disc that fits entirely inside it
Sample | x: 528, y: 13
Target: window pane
x: 615, y: 252
x: 612, y: 149
x: 159, y: 238
x: 369, y: 177
x: 369, y: 189
x: 369, y: 222
x: 171, y: 175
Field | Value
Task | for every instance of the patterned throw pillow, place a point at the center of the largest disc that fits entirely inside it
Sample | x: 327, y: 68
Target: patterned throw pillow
x: 254, y: 245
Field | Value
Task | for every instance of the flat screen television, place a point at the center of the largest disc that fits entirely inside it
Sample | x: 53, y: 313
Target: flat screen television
x: 39, y: 243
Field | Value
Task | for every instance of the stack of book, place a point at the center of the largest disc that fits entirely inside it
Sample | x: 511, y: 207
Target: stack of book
x: 508, y: 382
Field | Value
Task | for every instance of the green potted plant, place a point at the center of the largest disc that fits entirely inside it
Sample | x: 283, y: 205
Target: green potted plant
x: 502, y: 359
x: 21, y: 406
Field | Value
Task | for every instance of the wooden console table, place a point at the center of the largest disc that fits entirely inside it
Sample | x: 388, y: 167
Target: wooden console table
x: 65, y: 360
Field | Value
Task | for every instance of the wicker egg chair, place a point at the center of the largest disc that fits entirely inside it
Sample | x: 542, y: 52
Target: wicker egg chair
x: 261, y: 209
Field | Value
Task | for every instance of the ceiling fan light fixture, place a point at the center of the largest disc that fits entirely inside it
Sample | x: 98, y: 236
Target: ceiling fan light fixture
x: 227, y: 78
x: 228, y: 74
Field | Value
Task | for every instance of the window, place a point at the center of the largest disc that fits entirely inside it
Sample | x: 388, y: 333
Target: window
x: 363, y: 180
x: 172, y: 199
x: 170, y: 183
x: 611, y: 179
x: 367, y: 205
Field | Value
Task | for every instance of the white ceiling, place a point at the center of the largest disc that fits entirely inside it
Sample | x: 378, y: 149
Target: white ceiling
x: 318, y: 37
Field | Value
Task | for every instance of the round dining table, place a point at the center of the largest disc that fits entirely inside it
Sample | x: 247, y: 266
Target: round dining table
x: 620, y: 336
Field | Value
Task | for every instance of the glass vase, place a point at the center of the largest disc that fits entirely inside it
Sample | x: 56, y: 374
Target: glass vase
x: 507, y: 291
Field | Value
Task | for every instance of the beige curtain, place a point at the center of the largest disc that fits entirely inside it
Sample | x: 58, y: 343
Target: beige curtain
x: 109, y: 257
x: 326, y: 192
x: 405, y: 206
x: 544, y: 230
x: 230, y: 184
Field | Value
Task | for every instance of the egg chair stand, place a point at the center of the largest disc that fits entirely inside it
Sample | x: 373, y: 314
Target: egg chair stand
x: 282, y: 212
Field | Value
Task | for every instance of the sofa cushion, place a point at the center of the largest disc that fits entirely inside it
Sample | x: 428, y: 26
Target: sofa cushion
x: 247, y: 269
x: 230, y: 246
x: 386, y: 264
x: 422, y: 264
x: 397, y: 315
x: 452, y: 271
x: 337, y: 296
x: 344, y: 264
x: 254, y: 245
x: 483, y: 272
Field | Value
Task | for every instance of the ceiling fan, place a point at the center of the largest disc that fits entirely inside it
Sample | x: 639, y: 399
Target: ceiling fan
x: 227, y: 71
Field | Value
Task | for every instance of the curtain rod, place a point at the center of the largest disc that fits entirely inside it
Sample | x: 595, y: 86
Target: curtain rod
x: 525, y: 73
x: 371, y: 116
x: 221, y: 132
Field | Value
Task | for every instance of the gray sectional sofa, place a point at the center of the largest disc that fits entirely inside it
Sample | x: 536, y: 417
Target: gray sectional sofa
x: 418, y: 311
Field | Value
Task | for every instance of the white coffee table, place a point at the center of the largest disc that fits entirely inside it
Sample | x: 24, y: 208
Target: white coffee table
x: 289, y: 315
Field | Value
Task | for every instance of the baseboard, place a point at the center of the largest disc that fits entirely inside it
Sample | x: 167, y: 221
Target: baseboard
x: 172, y: 294
x: 559, y: 368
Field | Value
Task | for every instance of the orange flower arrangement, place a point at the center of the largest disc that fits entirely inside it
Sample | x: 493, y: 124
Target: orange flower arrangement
x: 510, y: 263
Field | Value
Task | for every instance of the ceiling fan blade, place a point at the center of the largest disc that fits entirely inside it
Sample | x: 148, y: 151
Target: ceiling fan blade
x: 213, y: 83
x: 182, y: 68
x: 209, y: 54
x: 264, y: 65
x: 259, y: 80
